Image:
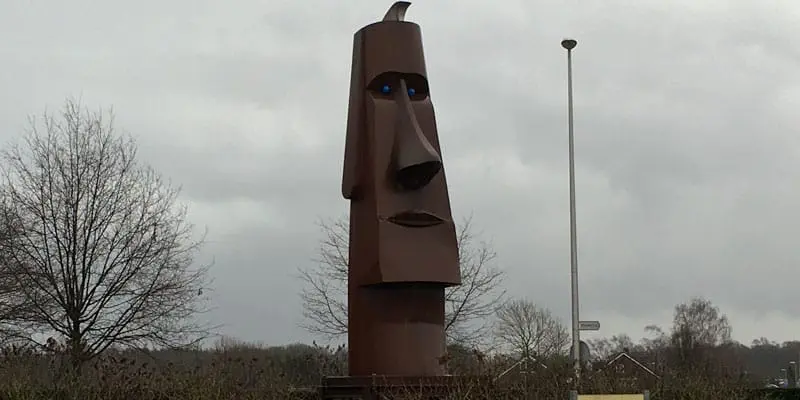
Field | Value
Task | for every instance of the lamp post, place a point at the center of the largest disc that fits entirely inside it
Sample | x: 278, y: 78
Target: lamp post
x: 570, y: 44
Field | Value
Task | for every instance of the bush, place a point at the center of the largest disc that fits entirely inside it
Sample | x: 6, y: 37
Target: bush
x: 295, y: 371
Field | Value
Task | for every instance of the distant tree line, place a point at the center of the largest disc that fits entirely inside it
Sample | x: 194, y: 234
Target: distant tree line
x: 517, y: 329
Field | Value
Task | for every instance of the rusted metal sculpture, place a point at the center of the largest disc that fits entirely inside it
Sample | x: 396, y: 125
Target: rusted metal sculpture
x: 403, y: 248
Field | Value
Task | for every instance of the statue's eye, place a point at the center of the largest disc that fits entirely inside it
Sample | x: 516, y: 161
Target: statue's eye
x: 386, y: 89
x: 411, y: 91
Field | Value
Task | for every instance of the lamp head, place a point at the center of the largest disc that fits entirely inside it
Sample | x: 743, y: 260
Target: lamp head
x: 569, y: 44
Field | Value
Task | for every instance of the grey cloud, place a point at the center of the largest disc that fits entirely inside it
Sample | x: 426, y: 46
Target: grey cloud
x: 685, y: 137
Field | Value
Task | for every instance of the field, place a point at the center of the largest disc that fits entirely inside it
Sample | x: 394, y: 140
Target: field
x: 293, y: 372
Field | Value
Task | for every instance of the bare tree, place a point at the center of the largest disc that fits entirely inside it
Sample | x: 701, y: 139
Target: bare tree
x: 324, y: 292
x: 100, y: 247
x: 607, y: 347
x: 530, y: 331
x: 658, y: 339
x: 468, y: 306
x: 698, y: 331
x: 700, y: 323
x: 13, y: 306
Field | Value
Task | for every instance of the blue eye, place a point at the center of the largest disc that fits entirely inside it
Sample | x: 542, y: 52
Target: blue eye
x: 386, y: 89
x: 411, y: 91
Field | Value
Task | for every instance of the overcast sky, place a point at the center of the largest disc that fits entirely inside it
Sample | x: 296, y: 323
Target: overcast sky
x: 687, y: 141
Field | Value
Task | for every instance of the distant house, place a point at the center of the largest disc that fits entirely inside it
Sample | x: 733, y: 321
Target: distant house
x: 626, y: 371
x: 523, y: 367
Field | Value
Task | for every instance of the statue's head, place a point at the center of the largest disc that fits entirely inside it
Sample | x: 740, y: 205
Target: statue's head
x: 392, y: 156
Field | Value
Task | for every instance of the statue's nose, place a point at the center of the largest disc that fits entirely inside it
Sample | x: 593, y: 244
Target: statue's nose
x: 416, y: 161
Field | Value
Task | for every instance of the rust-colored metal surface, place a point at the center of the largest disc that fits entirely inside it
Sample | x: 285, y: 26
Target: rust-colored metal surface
x: 403, y: 249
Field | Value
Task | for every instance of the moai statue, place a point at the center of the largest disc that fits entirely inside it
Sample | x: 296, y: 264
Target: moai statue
x: 403, y: 247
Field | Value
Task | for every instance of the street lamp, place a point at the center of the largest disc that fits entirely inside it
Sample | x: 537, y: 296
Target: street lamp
x: 570, y: 44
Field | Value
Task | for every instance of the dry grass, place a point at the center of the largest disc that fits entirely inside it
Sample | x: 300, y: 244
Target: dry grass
x: 280, y: 373
x: 191, y: 375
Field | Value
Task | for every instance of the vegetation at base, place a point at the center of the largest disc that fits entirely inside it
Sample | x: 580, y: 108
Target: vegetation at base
x: 235, y: 370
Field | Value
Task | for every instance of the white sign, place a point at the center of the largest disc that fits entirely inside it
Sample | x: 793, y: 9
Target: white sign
x: 589, y: 325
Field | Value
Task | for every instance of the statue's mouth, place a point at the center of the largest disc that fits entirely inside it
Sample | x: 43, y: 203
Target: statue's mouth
x: 415, y: 219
